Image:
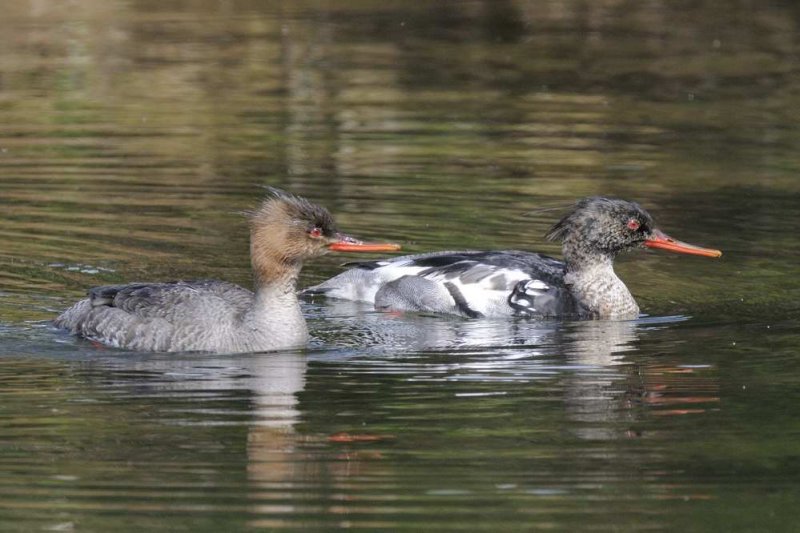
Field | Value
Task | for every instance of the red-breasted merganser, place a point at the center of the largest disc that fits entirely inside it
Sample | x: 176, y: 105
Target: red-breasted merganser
x: 516, y: 283
x: 217, y: 316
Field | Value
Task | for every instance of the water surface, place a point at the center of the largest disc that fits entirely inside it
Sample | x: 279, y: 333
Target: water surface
x: 133, y: 134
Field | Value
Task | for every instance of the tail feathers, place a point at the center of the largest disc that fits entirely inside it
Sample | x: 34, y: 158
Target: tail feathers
x: 72, y: 318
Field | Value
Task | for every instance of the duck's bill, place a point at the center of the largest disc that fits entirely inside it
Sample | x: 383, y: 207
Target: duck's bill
x: 347, y: 243
x: 662, y: 241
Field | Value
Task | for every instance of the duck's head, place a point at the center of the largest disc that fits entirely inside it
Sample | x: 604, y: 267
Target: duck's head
x: 607, y: 226
x: 291, y: 229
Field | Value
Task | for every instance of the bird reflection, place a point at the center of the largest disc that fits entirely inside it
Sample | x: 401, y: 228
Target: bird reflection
x: 357, y: 325
x: 594, y: 383
x: 292, y: 440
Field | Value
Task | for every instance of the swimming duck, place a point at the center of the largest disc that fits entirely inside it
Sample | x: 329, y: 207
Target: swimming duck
x: 519, y: 283
x: 217, y: 316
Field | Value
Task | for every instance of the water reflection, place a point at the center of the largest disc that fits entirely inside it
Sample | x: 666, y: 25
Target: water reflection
x: 594, y: 342
x: 596, y: 390
x: 598, y: 343
x: 321, y: 431
x: 271, y: 383
x: 412, y: 331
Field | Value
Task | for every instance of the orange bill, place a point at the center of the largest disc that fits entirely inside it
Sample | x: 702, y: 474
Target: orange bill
x: 347, y: 243
x: 662, y: 241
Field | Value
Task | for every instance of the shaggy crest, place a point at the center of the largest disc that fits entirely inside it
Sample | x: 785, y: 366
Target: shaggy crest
x: 296, y: 208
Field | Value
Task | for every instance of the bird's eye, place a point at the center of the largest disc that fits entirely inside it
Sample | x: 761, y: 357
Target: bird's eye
x: 633, y: 224
x: 315, y: 232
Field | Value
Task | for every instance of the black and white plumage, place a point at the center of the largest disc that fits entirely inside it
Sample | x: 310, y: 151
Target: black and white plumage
x: 518, y: 283
x: 467, y: 283
x: 218, y: 316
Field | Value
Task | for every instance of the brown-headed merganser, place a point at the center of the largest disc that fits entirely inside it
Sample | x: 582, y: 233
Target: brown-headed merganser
x: 516, y: 283
x: 218, y: 316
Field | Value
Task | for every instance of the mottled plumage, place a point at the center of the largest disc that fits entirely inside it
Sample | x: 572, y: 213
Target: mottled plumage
x: 517, y: 283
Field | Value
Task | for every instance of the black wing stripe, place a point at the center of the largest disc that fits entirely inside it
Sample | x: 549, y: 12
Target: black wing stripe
x: 461, y: 303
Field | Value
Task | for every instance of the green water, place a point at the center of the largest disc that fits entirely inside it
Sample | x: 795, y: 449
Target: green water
x: 134, y: 133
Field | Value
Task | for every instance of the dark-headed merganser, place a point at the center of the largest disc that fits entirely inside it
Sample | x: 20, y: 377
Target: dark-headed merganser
x: 516, y: 283
x: 217, y: 316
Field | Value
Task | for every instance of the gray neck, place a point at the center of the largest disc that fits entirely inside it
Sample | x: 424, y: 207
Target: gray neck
x: 596, y: 287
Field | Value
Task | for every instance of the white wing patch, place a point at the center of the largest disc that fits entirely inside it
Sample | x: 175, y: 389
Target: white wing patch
x: 536, y: 285
x: 485, y: 288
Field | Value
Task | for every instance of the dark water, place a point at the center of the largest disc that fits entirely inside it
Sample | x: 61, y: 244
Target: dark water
x: 132, y: 134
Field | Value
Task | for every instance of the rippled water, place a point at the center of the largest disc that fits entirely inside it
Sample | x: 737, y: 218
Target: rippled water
x: 132, y: 134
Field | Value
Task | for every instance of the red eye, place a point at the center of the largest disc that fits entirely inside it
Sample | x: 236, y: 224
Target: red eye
x: 315, y: 233
x: 633, y: 224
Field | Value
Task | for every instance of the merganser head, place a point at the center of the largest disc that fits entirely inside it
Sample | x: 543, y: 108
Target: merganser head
x: 292, y: 229
x: 609, y: 225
